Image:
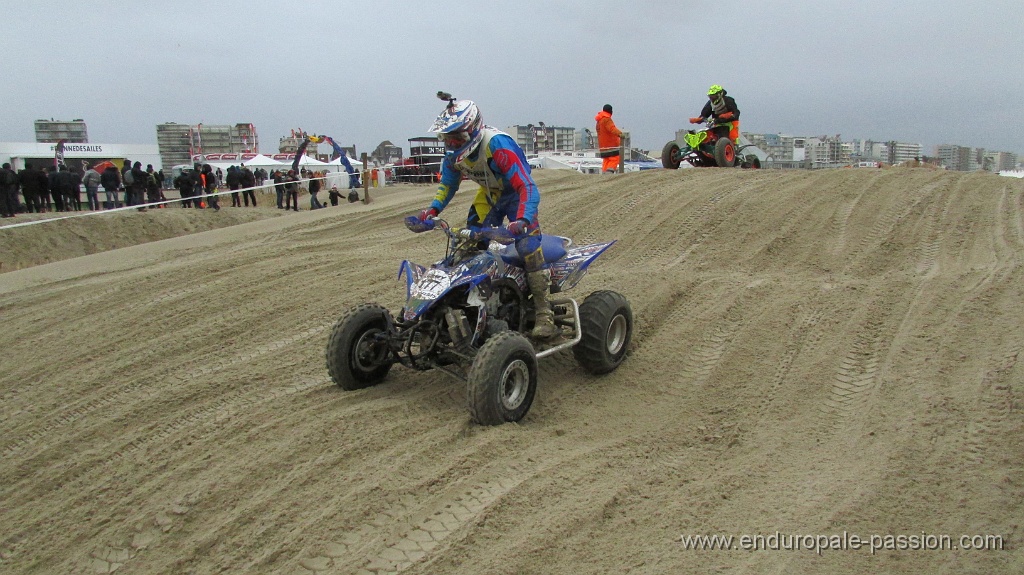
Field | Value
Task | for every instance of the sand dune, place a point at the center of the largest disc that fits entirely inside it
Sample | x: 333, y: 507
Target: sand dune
x: 816, y: 352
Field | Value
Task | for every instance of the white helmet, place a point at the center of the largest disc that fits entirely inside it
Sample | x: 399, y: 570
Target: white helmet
x: 459, y: 126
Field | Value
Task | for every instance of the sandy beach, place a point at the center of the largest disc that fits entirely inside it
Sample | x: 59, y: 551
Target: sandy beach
x: 816, y: 353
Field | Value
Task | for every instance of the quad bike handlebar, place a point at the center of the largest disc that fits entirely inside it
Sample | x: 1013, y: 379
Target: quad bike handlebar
x: 498, y: 234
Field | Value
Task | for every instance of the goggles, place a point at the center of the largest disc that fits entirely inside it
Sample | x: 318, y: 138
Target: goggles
x: 454, y: 140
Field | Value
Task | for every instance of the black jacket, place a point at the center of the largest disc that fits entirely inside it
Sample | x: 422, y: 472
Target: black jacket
x: 141, y: 177
x: 9, y: 180
x: 232, y: 178
x: 247, y: 178
x: 730, y: 105
x: 110, y: 179
x: 184, y: 183
x: 30, y: 181
x: 63, y: 183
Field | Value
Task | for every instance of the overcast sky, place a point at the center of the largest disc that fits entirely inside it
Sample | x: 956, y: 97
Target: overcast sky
x: 928, y: 72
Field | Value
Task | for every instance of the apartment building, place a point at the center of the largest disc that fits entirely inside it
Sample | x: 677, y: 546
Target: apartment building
x: 52, y: 131
x: 179, y: 142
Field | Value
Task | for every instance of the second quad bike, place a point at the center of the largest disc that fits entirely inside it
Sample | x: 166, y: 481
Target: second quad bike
x: 470, y: 315
x: 706, y: 148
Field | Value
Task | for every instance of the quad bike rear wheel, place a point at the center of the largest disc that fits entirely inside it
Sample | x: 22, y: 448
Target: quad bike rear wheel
x: 606, y: 321
x: 355, y: 359
x: 502, y: 379
x: 725, y: 153
x: 670, y: 156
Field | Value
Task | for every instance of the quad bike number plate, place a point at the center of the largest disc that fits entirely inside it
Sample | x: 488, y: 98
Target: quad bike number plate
x: 431, y: 286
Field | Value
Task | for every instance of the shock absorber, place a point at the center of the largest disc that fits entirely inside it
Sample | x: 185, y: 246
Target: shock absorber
x: 458, y: 327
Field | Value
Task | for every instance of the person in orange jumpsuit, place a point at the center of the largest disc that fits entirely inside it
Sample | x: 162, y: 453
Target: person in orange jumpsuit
x: 609, y: 139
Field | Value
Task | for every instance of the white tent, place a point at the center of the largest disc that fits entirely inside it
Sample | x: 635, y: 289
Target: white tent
x: 356, y: 165
x: 261, y: 161
x: 312, y: 162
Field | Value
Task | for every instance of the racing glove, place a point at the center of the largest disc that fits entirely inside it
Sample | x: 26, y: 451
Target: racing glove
x: 518, y: 227
x: 726, y: 117
x: 427, y: 214
x: 696, y: 120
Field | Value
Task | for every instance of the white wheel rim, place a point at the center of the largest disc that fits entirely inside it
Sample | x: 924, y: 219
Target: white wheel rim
x: 616, y: 336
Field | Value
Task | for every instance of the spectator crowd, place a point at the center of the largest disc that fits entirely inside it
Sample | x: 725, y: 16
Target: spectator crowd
x: 59, y: 189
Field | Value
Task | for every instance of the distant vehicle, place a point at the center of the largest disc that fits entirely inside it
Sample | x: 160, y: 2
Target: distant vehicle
x: 706, y: 148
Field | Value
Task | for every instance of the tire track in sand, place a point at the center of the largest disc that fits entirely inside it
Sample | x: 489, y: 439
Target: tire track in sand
x: 995, y: 402
x: 702, y: 213
x: 405, y: 532
x: 855, y: 378
x: 239, y: 401
x: 702, y: 361
x: 804, y: 335
x: 362, y: 553
x: 123, y: 393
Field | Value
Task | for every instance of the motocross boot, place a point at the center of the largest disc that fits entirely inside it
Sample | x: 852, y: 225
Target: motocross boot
x: 544, y: 327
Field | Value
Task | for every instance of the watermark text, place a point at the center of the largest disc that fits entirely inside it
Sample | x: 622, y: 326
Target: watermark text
x: 844, y: 541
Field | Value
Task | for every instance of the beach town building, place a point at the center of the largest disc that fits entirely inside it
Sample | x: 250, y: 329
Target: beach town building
x: 899, y: 152
x: 827, y: 152
x: 868, y: 151
x: 386, y: 153
x: 966, y: 159
x: 999, y: 161
x: 816, y: 152
x: 959, y: 158
x: 781, y: 150
x: 178, y: 143
x: 542, y: 138
x: 73, y: 131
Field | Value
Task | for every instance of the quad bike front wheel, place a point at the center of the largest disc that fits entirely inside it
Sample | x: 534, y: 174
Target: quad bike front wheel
x: 606, y: 321
x: 355, y: 357
x: 502, y: 379
x: 725, y: 153
x: 670, y: 156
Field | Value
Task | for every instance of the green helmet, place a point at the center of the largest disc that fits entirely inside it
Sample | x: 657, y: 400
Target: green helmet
x: 715, y: 89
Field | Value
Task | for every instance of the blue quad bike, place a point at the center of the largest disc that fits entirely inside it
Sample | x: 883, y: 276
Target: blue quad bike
x: 470, y: 314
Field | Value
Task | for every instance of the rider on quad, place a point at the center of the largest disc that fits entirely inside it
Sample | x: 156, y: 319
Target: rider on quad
x: 492, y: 159
x: 723, y: 109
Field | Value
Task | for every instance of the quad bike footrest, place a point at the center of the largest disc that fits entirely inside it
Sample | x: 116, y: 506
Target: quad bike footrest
x: 577, y: 332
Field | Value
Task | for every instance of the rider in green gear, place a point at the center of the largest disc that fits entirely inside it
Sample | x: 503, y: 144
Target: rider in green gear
x: 723, y: 109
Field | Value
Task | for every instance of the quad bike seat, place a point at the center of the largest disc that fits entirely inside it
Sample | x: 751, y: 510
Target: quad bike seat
x: 553, y: 247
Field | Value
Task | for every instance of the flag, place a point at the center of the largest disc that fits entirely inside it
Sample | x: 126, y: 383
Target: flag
x: 199, y: 137
x: 58, y: 154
